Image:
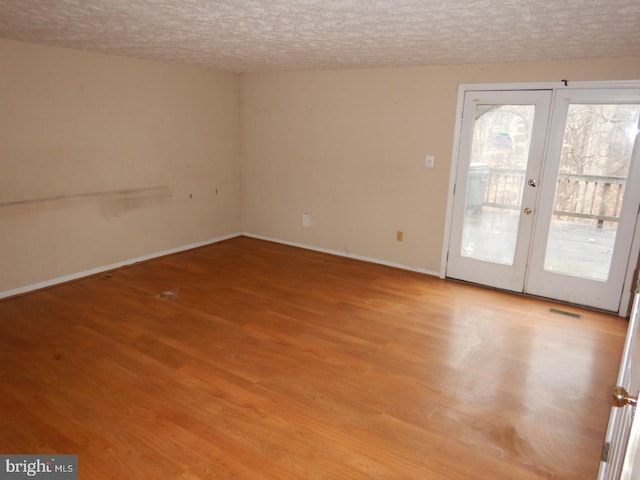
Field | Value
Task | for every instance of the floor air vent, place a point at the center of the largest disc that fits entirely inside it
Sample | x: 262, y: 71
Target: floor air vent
x: 564, y: 312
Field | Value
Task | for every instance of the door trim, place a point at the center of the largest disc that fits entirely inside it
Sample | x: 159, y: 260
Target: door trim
x: 628, y: 287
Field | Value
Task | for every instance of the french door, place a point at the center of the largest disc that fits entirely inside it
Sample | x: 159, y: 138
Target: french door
x: 547, y: 192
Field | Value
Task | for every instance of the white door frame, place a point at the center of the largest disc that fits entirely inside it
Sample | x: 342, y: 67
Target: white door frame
x: 627, y: 289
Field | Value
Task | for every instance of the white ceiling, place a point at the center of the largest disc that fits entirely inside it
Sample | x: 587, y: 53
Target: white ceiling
x: 272, y: 35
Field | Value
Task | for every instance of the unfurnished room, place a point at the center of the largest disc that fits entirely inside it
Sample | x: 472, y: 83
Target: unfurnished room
x: 313, y: 239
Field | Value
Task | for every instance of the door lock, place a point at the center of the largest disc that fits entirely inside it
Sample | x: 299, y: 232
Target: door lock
x: 528, y: 211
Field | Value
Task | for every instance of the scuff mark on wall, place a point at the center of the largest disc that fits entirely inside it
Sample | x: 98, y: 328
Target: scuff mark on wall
x: 110, y: 202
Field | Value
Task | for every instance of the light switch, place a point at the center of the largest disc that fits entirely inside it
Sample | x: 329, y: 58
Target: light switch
x: 430, y: 161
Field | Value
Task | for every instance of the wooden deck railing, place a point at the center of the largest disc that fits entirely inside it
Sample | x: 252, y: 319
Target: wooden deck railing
x: 591, y: 197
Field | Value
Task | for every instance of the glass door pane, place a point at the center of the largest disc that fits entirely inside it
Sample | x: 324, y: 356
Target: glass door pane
x: 495, y: 181
x: 596, y: 151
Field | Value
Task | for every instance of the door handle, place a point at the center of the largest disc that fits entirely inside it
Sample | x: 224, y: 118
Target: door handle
x: 620, y: 397
x: 527, y: 211
x: 533, y: 182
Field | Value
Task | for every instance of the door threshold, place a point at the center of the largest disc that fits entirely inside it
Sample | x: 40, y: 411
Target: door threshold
x: 546, y: 299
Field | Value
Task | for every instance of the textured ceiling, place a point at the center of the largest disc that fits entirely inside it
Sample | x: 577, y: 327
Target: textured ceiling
x: 270, y: 35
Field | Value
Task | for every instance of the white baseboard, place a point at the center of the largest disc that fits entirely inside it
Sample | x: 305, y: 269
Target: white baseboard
x: 344, y: 254
x: 94, y: 271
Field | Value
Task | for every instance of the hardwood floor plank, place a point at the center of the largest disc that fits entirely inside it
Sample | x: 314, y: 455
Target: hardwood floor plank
x: 252, y: 360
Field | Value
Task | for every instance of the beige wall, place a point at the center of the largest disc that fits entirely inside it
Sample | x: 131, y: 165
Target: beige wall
x: 348, y: 147
x: 104, y: 159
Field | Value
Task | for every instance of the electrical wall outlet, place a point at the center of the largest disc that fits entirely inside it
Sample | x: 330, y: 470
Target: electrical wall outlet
x: 399, y: 235
x: 306, y: 220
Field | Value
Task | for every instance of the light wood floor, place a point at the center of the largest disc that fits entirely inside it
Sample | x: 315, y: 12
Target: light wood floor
x: 252, y: 360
